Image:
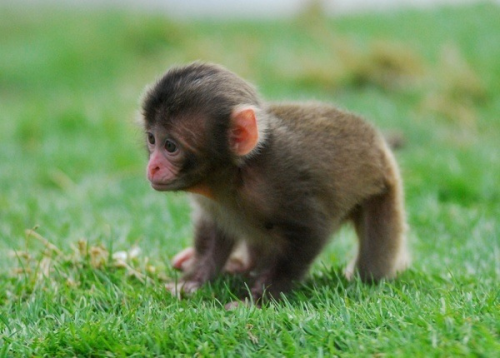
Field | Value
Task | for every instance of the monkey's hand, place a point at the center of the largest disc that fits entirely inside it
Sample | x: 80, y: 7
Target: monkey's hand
x: 182, y: 288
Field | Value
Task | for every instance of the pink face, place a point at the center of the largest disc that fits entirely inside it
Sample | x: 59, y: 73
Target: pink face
x: 165, y: 158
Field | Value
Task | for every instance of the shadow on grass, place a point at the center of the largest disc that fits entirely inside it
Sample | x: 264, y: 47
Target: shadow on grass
x: 318, y: 288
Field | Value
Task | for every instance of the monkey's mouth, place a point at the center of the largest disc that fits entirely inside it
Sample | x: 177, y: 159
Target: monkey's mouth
x: 161, y: 186
x: 169, y: 186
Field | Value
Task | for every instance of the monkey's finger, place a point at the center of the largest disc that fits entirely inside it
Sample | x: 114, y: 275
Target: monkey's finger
x: 182, y: 288
x: 174, y: 289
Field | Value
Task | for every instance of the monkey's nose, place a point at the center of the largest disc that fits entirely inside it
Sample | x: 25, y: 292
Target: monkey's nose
x: 153, y: 171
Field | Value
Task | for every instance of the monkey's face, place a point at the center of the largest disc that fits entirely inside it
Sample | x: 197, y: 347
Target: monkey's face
x: 177, y: 157
x: 165, y: 160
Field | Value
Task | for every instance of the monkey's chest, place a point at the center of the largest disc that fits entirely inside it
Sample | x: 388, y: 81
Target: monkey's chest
x: 242, y: 223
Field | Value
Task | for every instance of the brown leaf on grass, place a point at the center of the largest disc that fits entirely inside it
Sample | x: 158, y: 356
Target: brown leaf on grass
x: 52, y: 266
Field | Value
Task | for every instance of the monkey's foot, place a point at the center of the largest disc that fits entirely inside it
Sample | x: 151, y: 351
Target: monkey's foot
x: 238, y: 262
x: 349, y: 270
x: 182, y: 288
x: 184, y: 259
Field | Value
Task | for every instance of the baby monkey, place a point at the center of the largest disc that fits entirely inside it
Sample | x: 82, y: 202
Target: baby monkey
x: 280, y: 178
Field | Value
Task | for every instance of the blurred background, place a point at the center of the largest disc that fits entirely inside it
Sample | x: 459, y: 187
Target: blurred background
x: 252, y: 9
x: 72, y: 75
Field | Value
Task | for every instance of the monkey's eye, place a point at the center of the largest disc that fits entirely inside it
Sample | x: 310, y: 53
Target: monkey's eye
x: 151, y: 138
x: 170, y: 146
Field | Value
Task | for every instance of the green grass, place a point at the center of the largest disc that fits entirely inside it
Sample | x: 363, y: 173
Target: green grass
x: 72, y: 168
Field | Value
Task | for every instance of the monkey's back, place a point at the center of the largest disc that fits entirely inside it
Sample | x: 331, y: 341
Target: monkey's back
x: 346, y: 159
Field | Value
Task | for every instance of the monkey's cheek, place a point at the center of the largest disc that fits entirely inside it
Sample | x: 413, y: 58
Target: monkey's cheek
x: 181, y: 289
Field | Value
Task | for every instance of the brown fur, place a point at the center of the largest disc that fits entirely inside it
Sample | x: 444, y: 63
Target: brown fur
x: 314, y: 168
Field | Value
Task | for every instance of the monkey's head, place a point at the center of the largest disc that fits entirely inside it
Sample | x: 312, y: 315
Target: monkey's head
x: 199, y: 119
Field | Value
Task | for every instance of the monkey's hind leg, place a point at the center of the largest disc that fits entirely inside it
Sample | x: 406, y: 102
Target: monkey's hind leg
x: 380, y: 226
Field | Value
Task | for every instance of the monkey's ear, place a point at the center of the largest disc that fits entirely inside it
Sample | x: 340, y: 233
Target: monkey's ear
x: 244, y: 134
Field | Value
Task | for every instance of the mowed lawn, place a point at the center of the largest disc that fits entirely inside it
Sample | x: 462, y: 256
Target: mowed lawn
x: 85, y: 243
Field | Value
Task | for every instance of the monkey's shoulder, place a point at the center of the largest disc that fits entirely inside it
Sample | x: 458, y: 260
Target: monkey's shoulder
x: 324, y: 131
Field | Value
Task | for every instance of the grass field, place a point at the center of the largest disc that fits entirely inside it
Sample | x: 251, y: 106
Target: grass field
x: 85, y: 243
